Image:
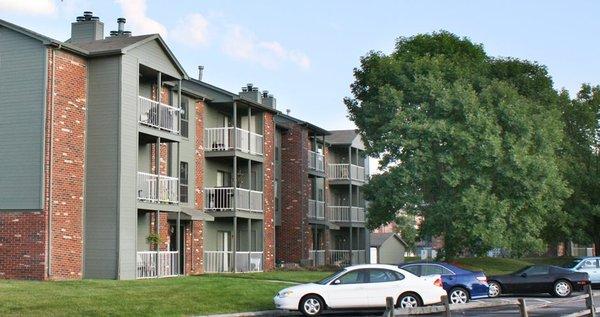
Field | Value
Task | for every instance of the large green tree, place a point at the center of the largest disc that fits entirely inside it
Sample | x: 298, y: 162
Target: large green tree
x: 466, y: 141
x: 580, y: 162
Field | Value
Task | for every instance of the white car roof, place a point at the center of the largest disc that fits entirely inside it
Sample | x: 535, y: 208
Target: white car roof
x: 373, y: 266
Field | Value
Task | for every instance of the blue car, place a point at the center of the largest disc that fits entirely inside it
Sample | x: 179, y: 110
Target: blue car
x: 460, y: 284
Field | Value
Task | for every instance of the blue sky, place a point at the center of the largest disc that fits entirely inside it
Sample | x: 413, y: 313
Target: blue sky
x: 303, y: 52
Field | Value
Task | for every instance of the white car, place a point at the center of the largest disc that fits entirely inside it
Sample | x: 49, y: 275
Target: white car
x: 362, y: 286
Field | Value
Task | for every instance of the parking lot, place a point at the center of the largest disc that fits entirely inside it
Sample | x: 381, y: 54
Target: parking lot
x: 560, y: 309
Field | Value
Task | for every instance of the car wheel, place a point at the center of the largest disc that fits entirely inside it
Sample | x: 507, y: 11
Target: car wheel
x: 408, y: 300
x: 495, y: 289
x: 562, y: 288
x: 458, y: 295
x: 311, y: 305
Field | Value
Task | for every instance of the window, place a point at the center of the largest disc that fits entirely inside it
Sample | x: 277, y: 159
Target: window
x: 183, y: 182
x: 353, y: 277
x: 434, y: 270
x: 185, y: 117
x: 382, y: 276
x: 538, y: 270
x: 414, y: 269
x: 223, y: 179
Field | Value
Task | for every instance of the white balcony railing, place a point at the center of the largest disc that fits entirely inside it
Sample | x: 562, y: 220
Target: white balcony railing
x: 149, y: 266
x: 167, y: 191
x: 316, y: 209
x: 159, y: 115
x: 342, y: 257
x: 221, y: 139
x: 346, y: 214
x: 340, y: 171
x: 316, y: 161
x: 317, y: 257
x: 221, y: 199
x: 222, y: 261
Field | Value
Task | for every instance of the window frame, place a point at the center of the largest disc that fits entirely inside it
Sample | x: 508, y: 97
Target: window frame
x: 183, y: 184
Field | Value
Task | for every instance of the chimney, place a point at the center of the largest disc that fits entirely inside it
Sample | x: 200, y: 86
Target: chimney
x: 268, y: 100
x: 87, y: 28
x: 120, y: 29
x: 251, y: 93
x: 200, y: 72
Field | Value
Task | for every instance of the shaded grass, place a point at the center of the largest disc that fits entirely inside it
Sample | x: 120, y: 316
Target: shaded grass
x: 195, y: 295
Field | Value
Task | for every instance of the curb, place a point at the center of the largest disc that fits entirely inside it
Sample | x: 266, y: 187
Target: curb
x: 269, y: 313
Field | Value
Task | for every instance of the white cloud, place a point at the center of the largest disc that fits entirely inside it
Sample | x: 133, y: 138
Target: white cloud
x: 135, y: 12
x: 29, y: 7
x: 242, y: 44
x: 192, y: 30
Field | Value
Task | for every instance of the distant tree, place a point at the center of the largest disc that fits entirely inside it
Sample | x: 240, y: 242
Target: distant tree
x: 580, y: 159
x: 466, y: 141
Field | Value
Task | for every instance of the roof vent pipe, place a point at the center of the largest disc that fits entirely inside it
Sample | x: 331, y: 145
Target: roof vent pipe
x: 200, y: 72
x: 121, y: 23
x: 287, y: 111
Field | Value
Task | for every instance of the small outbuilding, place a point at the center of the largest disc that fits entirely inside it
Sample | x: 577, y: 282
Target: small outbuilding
x: 387, y: 248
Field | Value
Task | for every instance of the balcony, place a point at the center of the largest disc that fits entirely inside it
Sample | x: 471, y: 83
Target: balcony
x: 166, y: 192
x: 342, y: 257
x: 158, y: 115
x: 346, y: 214
x: 222, y: 198
x: 342, y: 172
x: 221, y: 139
x: 316, y: 161
x: 153, y: 264
x: 316, y: 209
x: 222, y: 261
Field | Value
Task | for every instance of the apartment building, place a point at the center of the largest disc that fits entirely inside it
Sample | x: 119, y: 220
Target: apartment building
x: 116, y: 164
x: 320, y: 209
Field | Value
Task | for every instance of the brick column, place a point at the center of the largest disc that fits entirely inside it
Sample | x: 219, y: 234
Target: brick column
x: 269, y: 192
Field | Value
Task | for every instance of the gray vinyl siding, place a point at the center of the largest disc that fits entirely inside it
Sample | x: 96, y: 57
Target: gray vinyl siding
x: 22, y: 85
x: 153, y: 56
x: 187, y: 152
x: 102, y: 178
x: 128, y: 159
x: 391, y: 252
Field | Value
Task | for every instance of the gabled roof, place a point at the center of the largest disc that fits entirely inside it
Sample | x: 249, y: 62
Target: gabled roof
x: 44, y: 39
x: 377, y: 239
x: 341, y: 137
x: 284, y: 117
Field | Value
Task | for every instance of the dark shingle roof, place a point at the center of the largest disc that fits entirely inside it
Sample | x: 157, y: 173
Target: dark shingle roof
x: 112, y: 44
x: 341, y: 136
x: 377, y: 239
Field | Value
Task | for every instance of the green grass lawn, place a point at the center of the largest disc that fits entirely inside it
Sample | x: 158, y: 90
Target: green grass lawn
x: 195, y: 295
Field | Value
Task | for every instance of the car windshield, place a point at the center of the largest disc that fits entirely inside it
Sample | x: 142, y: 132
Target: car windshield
x: 330, y: 278
x: 572, y: 264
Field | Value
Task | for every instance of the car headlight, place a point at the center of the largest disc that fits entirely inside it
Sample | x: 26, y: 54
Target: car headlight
x: 284, y: 294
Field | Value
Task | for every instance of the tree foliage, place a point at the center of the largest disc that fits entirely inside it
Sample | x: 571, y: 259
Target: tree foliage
x: 467, y: 142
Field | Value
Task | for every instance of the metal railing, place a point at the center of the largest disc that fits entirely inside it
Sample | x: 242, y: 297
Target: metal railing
x: 149, y: 266
x: 317, y: 257
x: 342, y: 257
x: 221, y: 139
x: 222, y: 261
x: 316, y: 209
x: 221, y: 199
x: 342, y: 171
x: 316, y: 161
x: 346, y: 214
x: 167, y: 192
x: 158, y: 115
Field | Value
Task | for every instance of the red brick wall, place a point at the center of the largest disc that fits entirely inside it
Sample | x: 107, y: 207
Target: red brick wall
x: 194, y: 247
x: 68, y: 159
x: 163, y: 229
x: 23, y: 245
x: 294, y: 239
x: 269, y: 192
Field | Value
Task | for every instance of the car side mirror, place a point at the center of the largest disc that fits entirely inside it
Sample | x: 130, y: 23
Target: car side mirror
x: 523, y: 274
x: 337, y: 282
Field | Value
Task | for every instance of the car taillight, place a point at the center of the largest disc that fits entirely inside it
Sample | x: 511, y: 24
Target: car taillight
x: 438, y: 282
x: 482, y: 279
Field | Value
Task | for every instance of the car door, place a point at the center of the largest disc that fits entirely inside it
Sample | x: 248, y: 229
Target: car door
x: 348, y: 290
x: 382, y: 283
x: 536, y: 279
